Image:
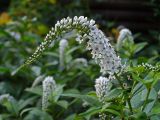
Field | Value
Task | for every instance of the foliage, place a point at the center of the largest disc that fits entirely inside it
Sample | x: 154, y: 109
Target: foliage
x: 133, y: 95
x: 156, y: 7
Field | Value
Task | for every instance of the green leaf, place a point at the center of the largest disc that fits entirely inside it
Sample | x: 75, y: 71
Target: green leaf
x: 136, y: 101
x: 4, y: 70
x: 151, y: 100
x: 137, y: 78
x: 36, y: 90
x: 90, y: 99
x: 72, y: 50
x: 156, y: 109
x: 57, y: 93
x: 71, y: 117
x: 112, y: 111
x: 139, y: 116
x: 140, y: 46
x: 63, y: 104
x: 106, y: 106
x: 5, y: 116
x: 37, y: 114
x: 26, y: 110
x: 51, y: 54
x: 12, y: 106
x: 24, y: 103
x: 113, y: 94
x: 156, y: 78
x: 71, y: 91
x: 147, y: 82
x: 155, y: 117
x: 77, y: 117
x: 138, y: 88
x: 91, y: 111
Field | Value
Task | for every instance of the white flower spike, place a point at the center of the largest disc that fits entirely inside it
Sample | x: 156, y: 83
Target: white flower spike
x: 102, y: 86
x: 123, y: 34
x: 63, y: 44
x: 49, y: 85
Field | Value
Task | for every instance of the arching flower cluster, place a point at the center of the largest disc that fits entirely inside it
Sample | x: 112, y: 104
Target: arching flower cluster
x: 49, y: 85
x: 101, y: 49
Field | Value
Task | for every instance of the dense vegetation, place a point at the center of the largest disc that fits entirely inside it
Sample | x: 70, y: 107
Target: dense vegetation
x: 65, y: 83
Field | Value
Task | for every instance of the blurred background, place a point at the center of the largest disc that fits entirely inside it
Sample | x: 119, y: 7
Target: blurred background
x: 24, y: 24
x: 138, y: 15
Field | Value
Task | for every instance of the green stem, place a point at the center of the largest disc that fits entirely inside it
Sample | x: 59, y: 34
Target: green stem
x: 134, y: 84
x: 145, y: 103
x: 129, y: 104
x: 122, y: 115
x: 128, y: 99
x: 119, y: 81
x: 132, y: 93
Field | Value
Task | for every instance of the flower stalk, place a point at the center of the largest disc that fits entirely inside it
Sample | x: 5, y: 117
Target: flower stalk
x: 146, y: 100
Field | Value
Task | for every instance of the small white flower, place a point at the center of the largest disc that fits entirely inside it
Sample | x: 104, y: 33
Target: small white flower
x: 92, y: 22
x: 69, y: 20
x: 75, y: 18
x: 49, y: 85
x: 81, y: 19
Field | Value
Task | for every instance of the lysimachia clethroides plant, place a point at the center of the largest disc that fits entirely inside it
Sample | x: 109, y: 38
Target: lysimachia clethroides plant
x: 119, y: 84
